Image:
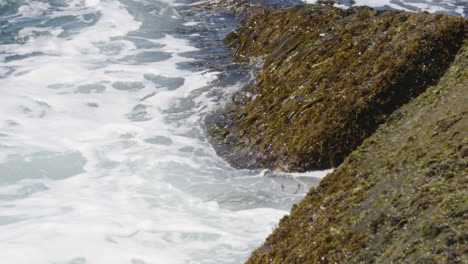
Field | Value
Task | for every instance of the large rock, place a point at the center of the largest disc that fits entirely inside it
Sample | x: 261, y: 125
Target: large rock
x: 401, y: 197
x: 328, y: 78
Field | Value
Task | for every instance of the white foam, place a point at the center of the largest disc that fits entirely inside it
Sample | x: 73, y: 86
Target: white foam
x: 191, y: 23
x: 92, y: 3
x: 447, y: 6
x: 131, y: 200
x: 33, y: 9
x: 380, y: 3
x: 313, y: 174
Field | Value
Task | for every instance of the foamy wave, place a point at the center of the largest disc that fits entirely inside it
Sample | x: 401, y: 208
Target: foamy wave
x: 103, y: 147
x: 452, y: 7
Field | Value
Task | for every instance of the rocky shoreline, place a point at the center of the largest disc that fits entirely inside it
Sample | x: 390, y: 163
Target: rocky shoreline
x: 399, y: 198
x: 381, y: 95
x: 329, y: 78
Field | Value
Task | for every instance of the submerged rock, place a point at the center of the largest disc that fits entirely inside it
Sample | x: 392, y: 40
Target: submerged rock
x: 399, y: 198
x: 329, y: 78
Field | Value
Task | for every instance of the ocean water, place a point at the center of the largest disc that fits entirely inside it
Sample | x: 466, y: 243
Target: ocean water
x: 450, y: 7
x: 103, y: 155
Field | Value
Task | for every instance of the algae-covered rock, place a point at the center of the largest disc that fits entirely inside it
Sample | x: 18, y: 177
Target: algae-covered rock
x: 401, y: 197
x: 329, y: 78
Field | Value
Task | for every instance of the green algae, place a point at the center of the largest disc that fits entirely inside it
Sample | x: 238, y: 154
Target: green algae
x: 400, y: 197
x: 329, y: 78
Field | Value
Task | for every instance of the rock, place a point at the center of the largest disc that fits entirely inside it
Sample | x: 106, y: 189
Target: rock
x: 329, y: 78
x: 400, y: 197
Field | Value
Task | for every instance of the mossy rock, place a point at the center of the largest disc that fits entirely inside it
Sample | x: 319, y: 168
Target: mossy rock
x: 329, y: 78
x: 401, y: 197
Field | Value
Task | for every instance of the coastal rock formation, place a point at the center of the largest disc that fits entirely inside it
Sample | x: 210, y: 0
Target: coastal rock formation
x: 400, y: 197
x: 328, y: 78
x: 382, y: 93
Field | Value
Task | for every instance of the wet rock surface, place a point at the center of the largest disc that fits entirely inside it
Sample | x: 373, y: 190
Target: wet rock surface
x: 382, y: 93
x: 327, y: 78
x: 399, y: 198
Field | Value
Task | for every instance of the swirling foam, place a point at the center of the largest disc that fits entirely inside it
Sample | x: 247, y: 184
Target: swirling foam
x: 103, y: 146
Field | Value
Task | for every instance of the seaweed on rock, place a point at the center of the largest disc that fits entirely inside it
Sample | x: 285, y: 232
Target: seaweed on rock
x: 329, y: 78
x: 400, y: 197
